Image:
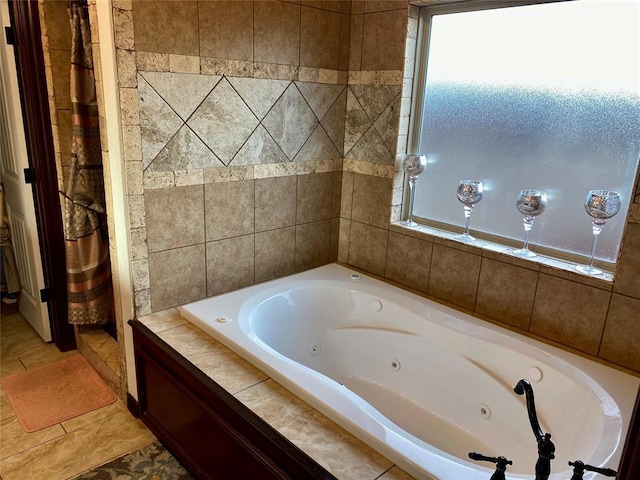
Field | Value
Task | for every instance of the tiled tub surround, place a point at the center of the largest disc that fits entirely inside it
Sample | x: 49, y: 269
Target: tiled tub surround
x: 339, y: 452
x: 381, y: 46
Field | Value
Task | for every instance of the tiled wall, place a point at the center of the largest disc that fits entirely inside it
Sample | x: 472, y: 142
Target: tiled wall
x: 591, y: 316
x: 212, y: 212
x: 233, y: 117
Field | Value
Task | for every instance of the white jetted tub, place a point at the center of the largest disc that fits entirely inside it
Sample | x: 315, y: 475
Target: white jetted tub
x: 422, y: 383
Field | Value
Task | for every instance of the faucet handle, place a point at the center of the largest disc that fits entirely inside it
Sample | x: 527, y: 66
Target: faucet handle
x: 579, y: 467
x: 501, y: 464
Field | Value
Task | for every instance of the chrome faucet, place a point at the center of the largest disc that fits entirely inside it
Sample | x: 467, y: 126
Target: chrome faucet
x: 546, y: 448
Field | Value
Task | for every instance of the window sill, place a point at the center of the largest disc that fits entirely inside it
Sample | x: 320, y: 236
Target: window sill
x: 488, y: 246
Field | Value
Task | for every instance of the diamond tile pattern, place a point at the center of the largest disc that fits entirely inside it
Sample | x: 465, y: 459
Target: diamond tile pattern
x: 223, y: 121
x: 372, y: 120
x: 192, y: 121
x: 290, y: 121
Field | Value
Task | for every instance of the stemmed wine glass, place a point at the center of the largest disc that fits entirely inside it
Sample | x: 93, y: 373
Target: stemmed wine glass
x: 530, y: 203
x: 601, y: 205
x: 414, y: 165
x: 469, y: 193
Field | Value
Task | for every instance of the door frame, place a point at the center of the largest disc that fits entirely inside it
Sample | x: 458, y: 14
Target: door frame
x: 25, y: 19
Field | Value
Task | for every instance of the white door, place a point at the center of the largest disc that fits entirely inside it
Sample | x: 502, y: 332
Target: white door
x: 18, y: 194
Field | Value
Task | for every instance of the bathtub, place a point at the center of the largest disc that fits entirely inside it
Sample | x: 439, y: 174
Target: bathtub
x: 421, y: 383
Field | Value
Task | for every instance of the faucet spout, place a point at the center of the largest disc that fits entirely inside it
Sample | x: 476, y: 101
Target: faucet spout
x: 524, y: 388
x: 546, y: 448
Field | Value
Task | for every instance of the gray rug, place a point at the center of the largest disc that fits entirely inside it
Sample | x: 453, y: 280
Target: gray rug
x: 152, y: 462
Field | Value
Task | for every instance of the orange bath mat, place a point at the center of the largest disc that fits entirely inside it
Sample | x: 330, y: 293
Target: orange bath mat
x: 51, y: 394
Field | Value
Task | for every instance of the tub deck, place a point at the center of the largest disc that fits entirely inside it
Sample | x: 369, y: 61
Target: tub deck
x: 339, y: 452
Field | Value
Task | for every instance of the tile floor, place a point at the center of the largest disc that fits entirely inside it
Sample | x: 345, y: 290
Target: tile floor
x: 70, y: 448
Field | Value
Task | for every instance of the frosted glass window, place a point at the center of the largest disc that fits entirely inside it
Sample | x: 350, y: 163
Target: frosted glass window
x: 542, y: 96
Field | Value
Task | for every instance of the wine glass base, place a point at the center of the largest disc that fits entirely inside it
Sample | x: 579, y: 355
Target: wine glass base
x: 408, y: 223
x: 588, y: 269
x: 464, y: 237
x: 524, y: 253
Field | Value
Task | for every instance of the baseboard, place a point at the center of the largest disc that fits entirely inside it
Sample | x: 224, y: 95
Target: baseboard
x: 133, y: 406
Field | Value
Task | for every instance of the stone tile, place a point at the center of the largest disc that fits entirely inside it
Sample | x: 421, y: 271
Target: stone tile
x: 345, y: 45
x: 158, y: 122
x: 175, y: 217
x: 318, y: 147
x: 6, y: 410
x: 355, y: 42
x: 275, y: 203
x: 506, y: 293
x: 166, y: 26
x: 383, y: 40
x: 375, y: 99
x: 319, y: 96
x: 371, y: 149
x: 229, y: 209
x: 409, y: 261
x: 163, y: 320
x: 185, y: 151
x: 368, y: 248
x: 344, y: 240
x: 184, y: 63
x: 387, y: 124
x: 123, y: 30
x: 339, y: 452
x: 371, y: 200
x: 100, y: 442
x: 334, y: 121
x: 152, y: 62
x: 258, y: 93
x: 569, y: 313
x: 183, y: 92
x: 177, y: 276
x: 223, y: 121
x: 226, y: 29
x: 230, y: 264
x: 276, y: 33
x: 15, y: 439
x: 60, y: 64
x: 127, y: 73
x: 275, y: 252
x: 334, y: 248
x: 621, y: 339
x: 395, y: 473
x: 290, y: 122
x: 356, y: 121
x: 627, y: 277
x: 140, y: 274
x: 346, y: 196
x: 337, y: 194
x: 313, y: 245
x: 454, y: 276
x: 260, y: 148
x: 319, y: 38
x: 57, y: 25
x: 65, y: 133
x: 314, y: 197
x: 218, y: 362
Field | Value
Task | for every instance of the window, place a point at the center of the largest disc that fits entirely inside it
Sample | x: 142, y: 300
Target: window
x: 543, y: 96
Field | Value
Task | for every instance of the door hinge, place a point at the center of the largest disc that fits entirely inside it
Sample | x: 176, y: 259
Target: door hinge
x: 44, y: 295
x: 10, y: 35
x: 29, y: 175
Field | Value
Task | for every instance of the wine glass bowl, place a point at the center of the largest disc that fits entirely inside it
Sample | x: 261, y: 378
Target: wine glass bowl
x: 530, y: 204
x: 600, y: 205
x: 469, y: 192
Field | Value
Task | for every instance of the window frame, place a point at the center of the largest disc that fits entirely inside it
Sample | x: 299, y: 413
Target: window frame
x: 487, y: 241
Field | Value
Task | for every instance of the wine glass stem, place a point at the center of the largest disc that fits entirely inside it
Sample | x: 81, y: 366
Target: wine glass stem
x: 412, y: 195
x: 468, y: 210
x: 528, y: 225
x: 596, y: 228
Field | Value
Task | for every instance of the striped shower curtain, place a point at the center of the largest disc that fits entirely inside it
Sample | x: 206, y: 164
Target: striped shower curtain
x: 89, y: 285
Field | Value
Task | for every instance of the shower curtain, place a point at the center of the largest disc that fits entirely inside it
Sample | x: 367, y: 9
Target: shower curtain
x: 89, y: 285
